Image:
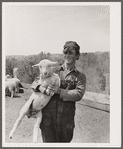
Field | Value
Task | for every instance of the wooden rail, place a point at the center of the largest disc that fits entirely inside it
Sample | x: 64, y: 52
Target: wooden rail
x: 95, y: 100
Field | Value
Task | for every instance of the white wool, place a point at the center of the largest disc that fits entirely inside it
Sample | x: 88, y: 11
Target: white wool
x: 40, y: 100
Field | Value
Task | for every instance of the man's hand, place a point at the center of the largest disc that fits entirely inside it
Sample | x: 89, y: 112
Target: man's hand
x: 48, y: 92
x: 53, y: 89
x: 35, y: 85
x: 41, y: 89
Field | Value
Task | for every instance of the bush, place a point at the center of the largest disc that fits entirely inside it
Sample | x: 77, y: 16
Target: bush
x: 94, y: 65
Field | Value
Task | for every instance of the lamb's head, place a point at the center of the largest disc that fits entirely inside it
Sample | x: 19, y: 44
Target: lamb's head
x: 7, y: 76
x: 46, y: 67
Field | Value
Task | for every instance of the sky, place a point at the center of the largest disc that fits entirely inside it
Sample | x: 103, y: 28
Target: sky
x: 31, y: 29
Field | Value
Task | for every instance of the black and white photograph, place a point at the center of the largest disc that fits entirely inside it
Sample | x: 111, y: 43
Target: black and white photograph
x: 61, y: 74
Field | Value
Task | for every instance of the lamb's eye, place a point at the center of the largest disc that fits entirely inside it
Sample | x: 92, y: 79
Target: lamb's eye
x: 49, y: 65
x: 40, y: 66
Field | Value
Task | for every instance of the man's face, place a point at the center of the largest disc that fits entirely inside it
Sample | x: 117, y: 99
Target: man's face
x: 69, y: 56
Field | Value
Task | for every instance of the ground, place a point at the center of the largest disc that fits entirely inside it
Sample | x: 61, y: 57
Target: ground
x: 91, y: 125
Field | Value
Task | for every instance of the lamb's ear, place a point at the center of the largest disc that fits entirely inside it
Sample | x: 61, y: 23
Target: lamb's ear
x: 56, y: 66
x: 35, y: 65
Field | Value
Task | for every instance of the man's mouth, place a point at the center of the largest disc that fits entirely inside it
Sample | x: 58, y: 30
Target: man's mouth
x: 68, y: 59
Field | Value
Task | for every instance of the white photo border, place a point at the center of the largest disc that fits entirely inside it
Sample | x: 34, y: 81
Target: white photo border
x: 115, y: 80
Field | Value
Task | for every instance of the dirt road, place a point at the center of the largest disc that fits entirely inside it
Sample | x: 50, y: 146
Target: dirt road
x: 92, y: 125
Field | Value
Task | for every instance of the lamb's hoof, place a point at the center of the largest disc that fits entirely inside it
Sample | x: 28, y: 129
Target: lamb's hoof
x: 10, y: 137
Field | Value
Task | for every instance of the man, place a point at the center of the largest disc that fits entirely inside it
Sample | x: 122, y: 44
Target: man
x: 58, y: 115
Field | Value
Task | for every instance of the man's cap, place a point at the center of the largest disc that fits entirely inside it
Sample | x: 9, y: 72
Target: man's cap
x: 72, y: 44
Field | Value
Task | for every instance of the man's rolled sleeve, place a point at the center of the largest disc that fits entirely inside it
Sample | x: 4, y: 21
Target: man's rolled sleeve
x: 77, y: 93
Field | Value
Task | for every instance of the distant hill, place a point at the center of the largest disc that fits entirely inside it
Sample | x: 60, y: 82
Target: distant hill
x: 51, y: 55
x: 96, y: 67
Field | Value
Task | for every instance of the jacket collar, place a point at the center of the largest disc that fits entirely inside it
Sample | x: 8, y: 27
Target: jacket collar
x: 72, y: 68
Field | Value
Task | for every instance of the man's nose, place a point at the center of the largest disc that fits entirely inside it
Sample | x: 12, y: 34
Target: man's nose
x: 67, y: 55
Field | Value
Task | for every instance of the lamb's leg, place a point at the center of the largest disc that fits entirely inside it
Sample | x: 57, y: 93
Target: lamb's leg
x: 36, y: 126
x: 22, y: 113
x: 12, y: 93
x: 17, y: 123
x: 17, y: 89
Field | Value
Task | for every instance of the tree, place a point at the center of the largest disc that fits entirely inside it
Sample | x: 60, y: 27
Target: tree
x: 28, y: 69
x: 10, y: 64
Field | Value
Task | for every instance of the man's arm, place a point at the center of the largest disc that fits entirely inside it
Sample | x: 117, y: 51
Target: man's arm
x: 36, y: 87
x: 77, y: 93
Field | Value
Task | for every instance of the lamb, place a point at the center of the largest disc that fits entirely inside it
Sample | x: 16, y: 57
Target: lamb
x: 12, y: 84
x: 39, y: 100
x: 15, y: 79
x: 10, y: 87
